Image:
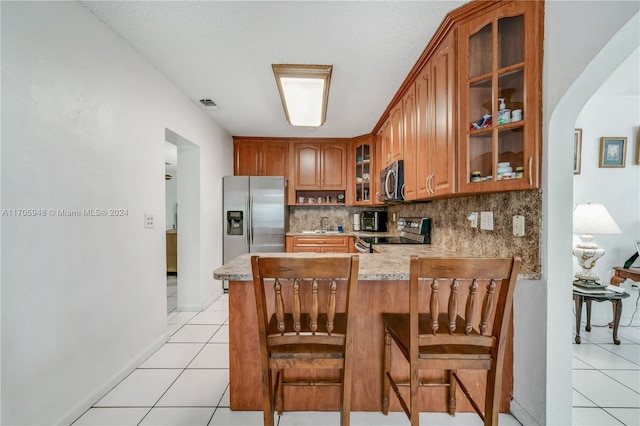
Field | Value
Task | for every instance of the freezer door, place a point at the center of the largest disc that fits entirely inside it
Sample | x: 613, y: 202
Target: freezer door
x: 268, y: 218
x: 235, y: 193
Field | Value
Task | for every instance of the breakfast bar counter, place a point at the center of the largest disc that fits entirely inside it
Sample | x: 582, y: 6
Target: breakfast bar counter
x: 383, y: 287
x: 373, y: 266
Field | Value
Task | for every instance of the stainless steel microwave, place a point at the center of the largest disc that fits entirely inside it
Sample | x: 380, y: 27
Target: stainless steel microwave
x: 392, y: 183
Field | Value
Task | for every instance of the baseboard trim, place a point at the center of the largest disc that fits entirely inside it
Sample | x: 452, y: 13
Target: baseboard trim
x: 203, y: 306
x: 78, y: 409
x: 522, y: 415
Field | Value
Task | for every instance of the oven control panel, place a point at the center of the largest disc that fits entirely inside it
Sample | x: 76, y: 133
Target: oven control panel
x: 414, y: 225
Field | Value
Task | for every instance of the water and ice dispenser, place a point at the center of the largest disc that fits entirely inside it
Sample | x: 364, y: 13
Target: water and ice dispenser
x: 235, y: 225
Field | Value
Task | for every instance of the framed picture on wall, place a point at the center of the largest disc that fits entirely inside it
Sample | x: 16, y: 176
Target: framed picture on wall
x: 577, y: 150
x: 613, y: 152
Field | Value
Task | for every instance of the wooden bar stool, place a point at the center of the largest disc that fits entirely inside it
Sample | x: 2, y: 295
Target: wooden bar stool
x: 300, y: 323
x: 470, y: 337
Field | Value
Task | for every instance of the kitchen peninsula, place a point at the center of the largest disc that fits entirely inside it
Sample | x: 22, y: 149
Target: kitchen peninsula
x: 383, y: 288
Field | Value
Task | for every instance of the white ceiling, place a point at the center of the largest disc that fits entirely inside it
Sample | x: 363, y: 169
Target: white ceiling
x: 223, y: 50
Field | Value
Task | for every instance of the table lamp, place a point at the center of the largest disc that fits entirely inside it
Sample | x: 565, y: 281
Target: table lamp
x: 589, y: 219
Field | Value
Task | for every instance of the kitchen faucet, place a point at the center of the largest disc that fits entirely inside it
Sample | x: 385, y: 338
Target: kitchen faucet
x: 321, y: 225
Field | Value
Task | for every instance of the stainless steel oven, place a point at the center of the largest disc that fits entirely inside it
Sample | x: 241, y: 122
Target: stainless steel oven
x: 412, y: 231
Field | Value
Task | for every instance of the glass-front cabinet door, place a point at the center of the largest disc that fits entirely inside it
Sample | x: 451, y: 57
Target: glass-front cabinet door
x: 363, y: 170
x: 500, y: 99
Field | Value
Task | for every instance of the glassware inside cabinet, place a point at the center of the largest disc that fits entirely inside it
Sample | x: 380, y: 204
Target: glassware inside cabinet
x: 510, y: 96
x: 363, y: 172
x: 480, y: 109
x: 510, y: 153
x: 481, y: 157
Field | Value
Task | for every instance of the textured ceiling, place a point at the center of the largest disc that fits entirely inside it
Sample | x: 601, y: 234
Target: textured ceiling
x: 223, y: 50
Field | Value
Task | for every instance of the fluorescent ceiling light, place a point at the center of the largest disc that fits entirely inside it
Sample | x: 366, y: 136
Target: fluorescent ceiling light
x: 304, y: 90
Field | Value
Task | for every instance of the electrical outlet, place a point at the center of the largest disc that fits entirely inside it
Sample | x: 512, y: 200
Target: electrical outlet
x: 518, y: 225
x: 149, y: 220
x: 486, y: 221
x: 473, y: 219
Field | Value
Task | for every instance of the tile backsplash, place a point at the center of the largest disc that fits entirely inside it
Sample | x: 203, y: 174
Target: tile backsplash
x: 450, y: 227
x: 308, y: 218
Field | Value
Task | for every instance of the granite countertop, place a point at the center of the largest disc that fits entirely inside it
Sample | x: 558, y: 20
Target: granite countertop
x: 392, y: 263
x: 341, y: 234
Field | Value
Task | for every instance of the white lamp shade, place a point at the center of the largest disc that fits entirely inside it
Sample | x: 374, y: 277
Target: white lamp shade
x: 593, y: 219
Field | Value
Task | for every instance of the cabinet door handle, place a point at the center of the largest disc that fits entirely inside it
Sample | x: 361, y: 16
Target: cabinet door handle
x: 431, y: 176
x: 530, y: 170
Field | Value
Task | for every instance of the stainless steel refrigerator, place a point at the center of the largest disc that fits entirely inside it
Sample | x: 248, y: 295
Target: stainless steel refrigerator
x: 255, y: 215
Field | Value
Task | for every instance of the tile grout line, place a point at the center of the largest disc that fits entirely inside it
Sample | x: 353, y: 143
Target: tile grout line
x: 182, y: 370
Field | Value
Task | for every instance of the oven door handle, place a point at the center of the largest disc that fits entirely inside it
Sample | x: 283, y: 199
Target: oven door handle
x: 361, y: 248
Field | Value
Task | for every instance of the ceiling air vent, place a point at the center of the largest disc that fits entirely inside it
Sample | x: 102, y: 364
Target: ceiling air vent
x: 208, y: 103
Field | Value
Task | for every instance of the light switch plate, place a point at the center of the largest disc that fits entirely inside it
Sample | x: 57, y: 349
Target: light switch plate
x: 486, y: 221
x: 149, y: 220
x: 518, y: 225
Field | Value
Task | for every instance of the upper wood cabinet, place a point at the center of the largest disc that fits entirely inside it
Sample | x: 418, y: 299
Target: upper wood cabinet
x: 500, y: 58
x: 444, y: 120
x: 396, y: 140
x: 435, y: 124
x: 382, y: 145
x: 409, y: 143
x: 363, y: 174
x: 390, y: 137
x: 256, y: 157
x: 320, y: 166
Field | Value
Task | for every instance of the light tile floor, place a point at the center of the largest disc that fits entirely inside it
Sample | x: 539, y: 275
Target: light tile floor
x: 606, y: 377
x: 186, y: 382
x: 172, y: 293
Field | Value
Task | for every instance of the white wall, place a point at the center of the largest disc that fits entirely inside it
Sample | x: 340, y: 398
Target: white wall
x: 83, y: 126
x: 617, y: 188
x: 579, y: 54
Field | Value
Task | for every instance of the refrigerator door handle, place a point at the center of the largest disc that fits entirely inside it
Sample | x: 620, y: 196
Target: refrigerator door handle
x: 251, y: 217
x: 247, y: 219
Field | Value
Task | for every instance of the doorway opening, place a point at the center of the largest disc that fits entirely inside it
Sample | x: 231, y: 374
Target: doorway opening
x: 186, y: 215
x: 171, y: 219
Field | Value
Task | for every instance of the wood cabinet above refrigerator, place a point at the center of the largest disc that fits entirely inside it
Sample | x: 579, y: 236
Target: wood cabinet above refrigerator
x: 260, y: 157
